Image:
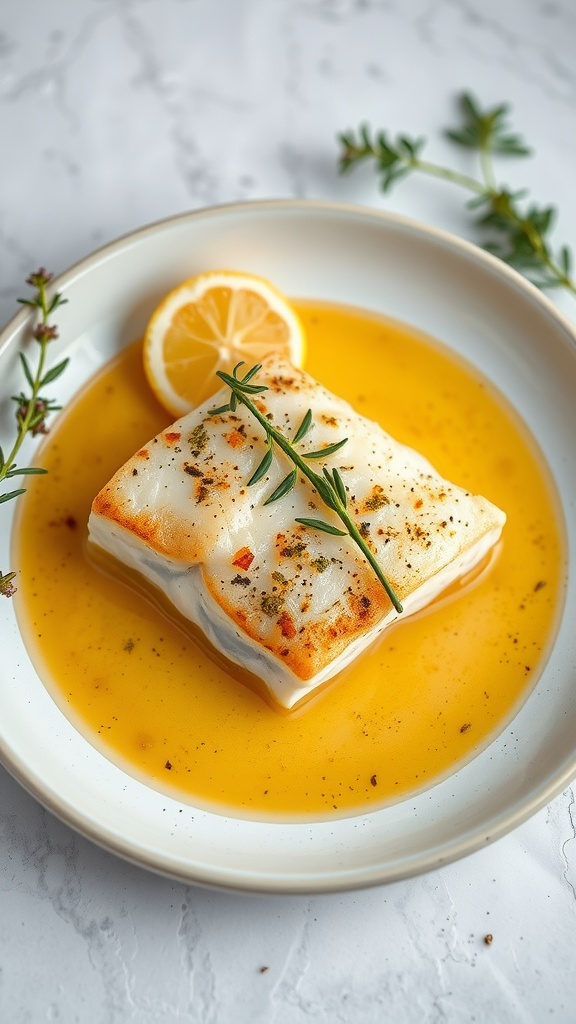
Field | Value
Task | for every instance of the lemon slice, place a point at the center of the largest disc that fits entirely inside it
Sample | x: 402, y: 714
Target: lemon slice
x: 211, y: 322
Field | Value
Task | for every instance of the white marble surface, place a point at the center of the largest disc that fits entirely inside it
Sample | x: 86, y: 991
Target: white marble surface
x: 115, y: 113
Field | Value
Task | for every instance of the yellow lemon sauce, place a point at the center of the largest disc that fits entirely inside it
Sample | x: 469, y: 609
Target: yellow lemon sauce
x: 423, y: 700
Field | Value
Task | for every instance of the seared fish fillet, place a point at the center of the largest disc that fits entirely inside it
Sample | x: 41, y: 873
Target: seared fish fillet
x: 291, y: 605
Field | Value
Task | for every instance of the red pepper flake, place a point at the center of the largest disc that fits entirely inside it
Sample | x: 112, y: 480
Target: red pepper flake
x: 287, y: 626
x: 143, y: 454
x: 243, y: 558
x: 419, y: 503
x: 172, y: 437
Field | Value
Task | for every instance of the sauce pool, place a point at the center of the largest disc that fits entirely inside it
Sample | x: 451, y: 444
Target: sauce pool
x: 428, y: 696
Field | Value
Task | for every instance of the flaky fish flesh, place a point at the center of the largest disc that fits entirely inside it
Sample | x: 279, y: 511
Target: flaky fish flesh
x: 290, y: 605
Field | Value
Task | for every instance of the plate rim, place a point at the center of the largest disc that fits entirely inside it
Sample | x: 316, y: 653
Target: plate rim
x: 365, y: 877
x: 410, y: 224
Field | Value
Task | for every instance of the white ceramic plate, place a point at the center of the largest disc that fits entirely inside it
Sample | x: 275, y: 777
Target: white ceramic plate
x: 452, y: 291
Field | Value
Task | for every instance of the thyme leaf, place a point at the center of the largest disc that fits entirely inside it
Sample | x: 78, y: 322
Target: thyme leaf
x: 319, y: 524
x: 283, y: 488
x: 11, y: 494
x: 303, y: 428
x: 323, y: 452
x: 336, y: 482
x: 262, y: 469
x: 515, y: 232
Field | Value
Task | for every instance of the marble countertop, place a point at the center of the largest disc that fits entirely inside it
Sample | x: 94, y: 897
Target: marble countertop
x: 114, y: 114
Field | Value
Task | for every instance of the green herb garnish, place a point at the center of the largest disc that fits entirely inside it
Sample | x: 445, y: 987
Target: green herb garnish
x: 519, y: 236
x: 330, y: 486
x: 32, y: 409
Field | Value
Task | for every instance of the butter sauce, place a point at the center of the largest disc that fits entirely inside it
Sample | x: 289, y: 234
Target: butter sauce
x: 418, y: 704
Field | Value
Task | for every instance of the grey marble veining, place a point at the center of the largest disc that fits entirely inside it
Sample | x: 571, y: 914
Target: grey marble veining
x: 84, y: 936
x: 115, y: 113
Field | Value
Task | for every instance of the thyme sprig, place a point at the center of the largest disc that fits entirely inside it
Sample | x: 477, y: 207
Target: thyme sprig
x: 32, y: 409
x: 519, y: 236
x: 329, y: 486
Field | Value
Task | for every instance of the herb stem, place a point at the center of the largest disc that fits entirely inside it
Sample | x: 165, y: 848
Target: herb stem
x: 490, y: 191
x: 485, y: 157
x: 446, y: 174
x: 25, y: 423
x: 519, y: 237
x: 328, y: 495
x: 31, y: 409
